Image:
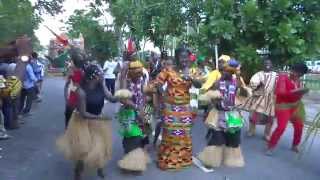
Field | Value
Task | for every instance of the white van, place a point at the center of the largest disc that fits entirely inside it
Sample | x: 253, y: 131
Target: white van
x: 314, y: 66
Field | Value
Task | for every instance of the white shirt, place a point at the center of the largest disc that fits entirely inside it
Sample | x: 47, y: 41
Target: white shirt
x: 108, y: 68
x: 268, y: 79
x: 41, y: 68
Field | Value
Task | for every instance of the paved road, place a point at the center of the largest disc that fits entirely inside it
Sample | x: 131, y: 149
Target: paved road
x: 31, y: 154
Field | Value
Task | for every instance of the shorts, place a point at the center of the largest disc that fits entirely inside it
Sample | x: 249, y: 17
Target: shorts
x: 132, y: 143
x: 219, y: 138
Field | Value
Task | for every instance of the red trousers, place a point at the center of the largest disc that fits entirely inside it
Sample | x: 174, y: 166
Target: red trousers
x: 283, y: 117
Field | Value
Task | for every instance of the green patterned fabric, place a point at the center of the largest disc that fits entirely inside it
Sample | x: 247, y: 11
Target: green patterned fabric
x: 234, y: 122
x: 128, y: 124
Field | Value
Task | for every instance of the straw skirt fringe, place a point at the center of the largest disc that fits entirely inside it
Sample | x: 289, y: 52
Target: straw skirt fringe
x: 85, y: 140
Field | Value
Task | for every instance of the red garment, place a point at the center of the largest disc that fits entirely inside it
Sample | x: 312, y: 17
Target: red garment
x: 284, y: 86
x: 284, y: 95
x: 76, y: 78
x: 283, y: 116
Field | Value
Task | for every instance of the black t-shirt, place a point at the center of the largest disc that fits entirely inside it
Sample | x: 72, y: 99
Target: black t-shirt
x: 94, y: 100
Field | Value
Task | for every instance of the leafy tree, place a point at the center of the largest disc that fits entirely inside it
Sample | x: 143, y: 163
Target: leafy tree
x: 99, y: 42
x: 16, y: 18
x: 289, y: 30
x: 19, y: 17
x: 49, y: 6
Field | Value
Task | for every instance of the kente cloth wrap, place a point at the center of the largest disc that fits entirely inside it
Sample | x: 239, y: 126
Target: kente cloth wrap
x: 175, y: 151
x: 228, y: 120
x: 129, y: 126
x: 263, y: 99
x: 228, y: 91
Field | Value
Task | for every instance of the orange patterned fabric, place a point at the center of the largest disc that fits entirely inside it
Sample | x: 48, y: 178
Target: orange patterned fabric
x: 177, y: 87
x: 175, y: 151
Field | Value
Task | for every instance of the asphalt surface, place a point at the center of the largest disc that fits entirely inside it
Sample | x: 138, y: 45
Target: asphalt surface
x: 31, y: 153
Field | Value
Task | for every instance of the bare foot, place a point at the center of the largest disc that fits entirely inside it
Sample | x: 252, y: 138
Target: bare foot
x: 266, y: 138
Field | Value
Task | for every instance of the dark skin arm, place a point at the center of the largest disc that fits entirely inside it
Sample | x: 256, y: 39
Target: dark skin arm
x: 82, y: 106
x: 123, y: 75
x: 107, y: 93
x: 300, y: 91
x: 66, y: 89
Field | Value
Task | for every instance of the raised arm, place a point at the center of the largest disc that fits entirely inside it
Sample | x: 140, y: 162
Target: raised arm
x: 123, y: 76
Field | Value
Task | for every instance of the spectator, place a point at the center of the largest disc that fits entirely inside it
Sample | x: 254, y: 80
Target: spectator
x: 74, y: 79
x: 28, y: 90
x: 38, y: 69
x: 110, y: 69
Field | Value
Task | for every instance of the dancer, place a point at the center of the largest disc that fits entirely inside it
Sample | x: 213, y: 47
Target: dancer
x: 289, y: 106
x: 134, y: 117
x: 159, y: 96
x: 73, y: 83
x: 87, y: 140
x: 213, y: 77
x: 175, y: 150
x: 261, y: 104
x: 225, y: 125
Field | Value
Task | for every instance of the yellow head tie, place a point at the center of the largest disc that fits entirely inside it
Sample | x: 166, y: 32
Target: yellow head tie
x: 135, y: 64
x: 224, y: 58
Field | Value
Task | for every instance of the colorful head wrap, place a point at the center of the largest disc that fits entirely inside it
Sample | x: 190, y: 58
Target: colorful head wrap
x: 224, y: 58
x: 135, y: 69
x: 234, y: 63
x: 135, y: 64
x: 232, y: 66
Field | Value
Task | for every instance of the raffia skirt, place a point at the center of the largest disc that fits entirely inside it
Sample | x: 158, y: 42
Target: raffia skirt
x: 86, y: 140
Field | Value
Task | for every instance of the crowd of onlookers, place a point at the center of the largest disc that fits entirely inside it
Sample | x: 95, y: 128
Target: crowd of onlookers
x: 17, y: 94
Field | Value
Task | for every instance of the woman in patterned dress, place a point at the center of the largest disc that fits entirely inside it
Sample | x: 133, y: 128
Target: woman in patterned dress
x: 175, y: 151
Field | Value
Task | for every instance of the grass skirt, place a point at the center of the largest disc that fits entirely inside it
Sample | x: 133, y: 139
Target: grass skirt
x: 211, y: 156
x: 85, y: 140
x: 135, y: 160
